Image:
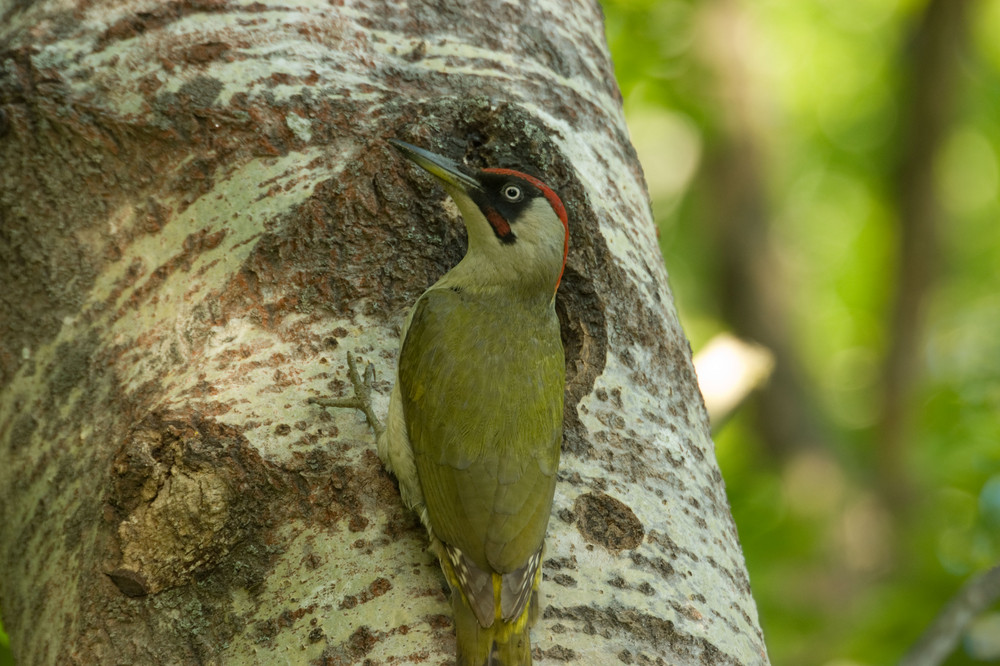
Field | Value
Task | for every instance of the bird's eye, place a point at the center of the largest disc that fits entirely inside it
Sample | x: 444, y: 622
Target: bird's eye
x: 512, y: 192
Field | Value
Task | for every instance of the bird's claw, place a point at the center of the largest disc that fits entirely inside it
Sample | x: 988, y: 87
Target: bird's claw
x: 362, y: 394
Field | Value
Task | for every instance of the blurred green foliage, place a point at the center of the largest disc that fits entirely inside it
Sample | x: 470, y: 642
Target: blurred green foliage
x: 838, y: 578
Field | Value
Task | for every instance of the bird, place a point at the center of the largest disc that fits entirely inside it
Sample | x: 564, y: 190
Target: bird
x: 474, y: 428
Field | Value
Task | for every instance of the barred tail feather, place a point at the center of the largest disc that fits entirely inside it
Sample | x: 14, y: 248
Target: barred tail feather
x: 502, y: 644
x: 476, y: 600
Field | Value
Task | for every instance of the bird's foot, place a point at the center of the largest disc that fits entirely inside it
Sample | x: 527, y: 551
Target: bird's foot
x: 362, y: 398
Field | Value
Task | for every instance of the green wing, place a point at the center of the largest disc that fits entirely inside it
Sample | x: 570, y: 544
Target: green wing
x: 483, y: 401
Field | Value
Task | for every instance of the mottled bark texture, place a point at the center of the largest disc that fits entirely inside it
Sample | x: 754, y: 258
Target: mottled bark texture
x: 200, y: 218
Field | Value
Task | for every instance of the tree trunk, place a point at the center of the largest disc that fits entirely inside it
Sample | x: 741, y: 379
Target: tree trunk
x: 753, y: 293
x: 932, y: 86
x: 200, y: 218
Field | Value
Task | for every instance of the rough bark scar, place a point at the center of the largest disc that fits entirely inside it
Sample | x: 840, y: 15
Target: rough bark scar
x: 184, y: 491
x: 607, y: 522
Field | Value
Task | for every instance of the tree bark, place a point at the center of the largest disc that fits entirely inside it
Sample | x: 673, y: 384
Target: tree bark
x: 200, y: 218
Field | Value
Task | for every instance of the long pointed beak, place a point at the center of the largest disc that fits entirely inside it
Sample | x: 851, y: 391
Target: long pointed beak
x: 445, y: 170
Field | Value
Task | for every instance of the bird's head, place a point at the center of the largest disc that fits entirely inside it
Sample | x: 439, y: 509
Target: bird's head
x: 517, y: 226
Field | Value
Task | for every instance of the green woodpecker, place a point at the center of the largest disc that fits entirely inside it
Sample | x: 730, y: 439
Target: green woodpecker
x: 475, y: 418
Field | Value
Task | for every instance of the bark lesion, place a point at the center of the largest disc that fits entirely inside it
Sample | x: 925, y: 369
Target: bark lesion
x: 184, y: 491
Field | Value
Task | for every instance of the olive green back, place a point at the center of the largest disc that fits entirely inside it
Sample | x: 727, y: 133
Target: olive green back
x: 482, y: 380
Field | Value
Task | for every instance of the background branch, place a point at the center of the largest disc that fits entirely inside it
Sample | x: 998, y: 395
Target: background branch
x: 942, y: 635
